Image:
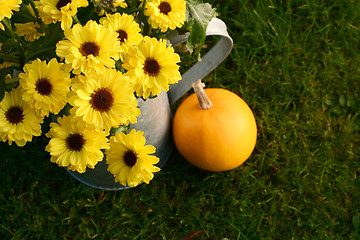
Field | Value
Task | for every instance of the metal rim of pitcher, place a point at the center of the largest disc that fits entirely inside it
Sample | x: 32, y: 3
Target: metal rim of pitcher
x: 164, y: 143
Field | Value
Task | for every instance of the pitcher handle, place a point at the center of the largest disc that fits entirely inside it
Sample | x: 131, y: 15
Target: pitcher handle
x: 209, y: 62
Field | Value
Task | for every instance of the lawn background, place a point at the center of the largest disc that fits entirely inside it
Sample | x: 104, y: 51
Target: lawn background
x: 296, y: 63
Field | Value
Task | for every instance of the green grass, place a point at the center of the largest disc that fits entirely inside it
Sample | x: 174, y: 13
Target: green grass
x: 296, y: 63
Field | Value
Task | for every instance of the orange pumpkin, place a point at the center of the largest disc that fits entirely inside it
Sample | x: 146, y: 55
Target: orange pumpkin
x: 214, y: 129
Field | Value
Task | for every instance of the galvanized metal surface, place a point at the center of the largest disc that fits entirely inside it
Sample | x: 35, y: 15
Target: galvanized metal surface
x: 155, y: 118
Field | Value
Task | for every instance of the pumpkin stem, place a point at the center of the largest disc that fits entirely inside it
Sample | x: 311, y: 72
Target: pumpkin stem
x: 204, y: 101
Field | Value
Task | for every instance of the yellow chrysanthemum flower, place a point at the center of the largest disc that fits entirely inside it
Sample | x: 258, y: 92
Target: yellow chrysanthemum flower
x: 127, y: 29
x: 129, y: 158
x: 166, y: 14
x: 104, y: 100
x: 5, y: 65
x: 52, y: 11
x: 88, y: 48
x: 45, y: 86
x: 119, y: 3
x: 6, y: 8
x: 73, y: 146
x: 29, y: 31
x: 152, y: 67
x: 18, y: 121
x: 113, y: 4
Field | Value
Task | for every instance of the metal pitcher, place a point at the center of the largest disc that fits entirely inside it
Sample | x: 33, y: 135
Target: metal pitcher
x: 155, y: 118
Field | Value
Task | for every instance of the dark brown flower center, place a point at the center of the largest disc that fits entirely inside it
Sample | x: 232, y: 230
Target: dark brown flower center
x: 62, y: 3
x: 130, y: 158
x: 102, y: 100
x: 43, y: 87
x: 152, y: 67
x: 122, y: 35
x: 14, y: 115
x: 165, y: 7
x: 89, y: 48
x: 75, y: 142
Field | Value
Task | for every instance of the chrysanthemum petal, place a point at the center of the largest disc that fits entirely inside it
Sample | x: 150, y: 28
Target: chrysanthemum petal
x: 117, y: 157
x: 45, y: 86
x: 102, y: 54
x: 23, y: 124
x: 87, y: 149
x: 152, y: 67
x: 117, y: 107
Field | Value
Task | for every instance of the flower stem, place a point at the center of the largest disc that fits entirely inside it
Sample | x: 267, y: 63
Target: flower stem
x: 11, y: 80
x: 39, y: 52
x: 134, y: 10
x: 204, y: 101
x: 36, y: 11
x: 11, y: 58
x: 76, y: 19
x: 142, y: 18
x: 32, y: 4
x: 7, y: 24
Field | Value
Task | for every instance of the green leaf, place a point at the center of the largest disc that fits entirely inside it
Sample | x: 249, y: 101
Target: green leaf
x: 197, y: 18
x: 5, y: 84
x: 9, y: 45
x: 2, y: 83
x: 197, y: 36
x: 23, y: 15
x: 87, y: 13
x: 45, y: 46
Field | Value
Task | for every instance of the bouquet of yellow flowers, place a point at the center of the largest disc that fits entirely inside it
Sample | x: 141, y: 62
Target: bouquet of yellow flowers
x: 86, y: 62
